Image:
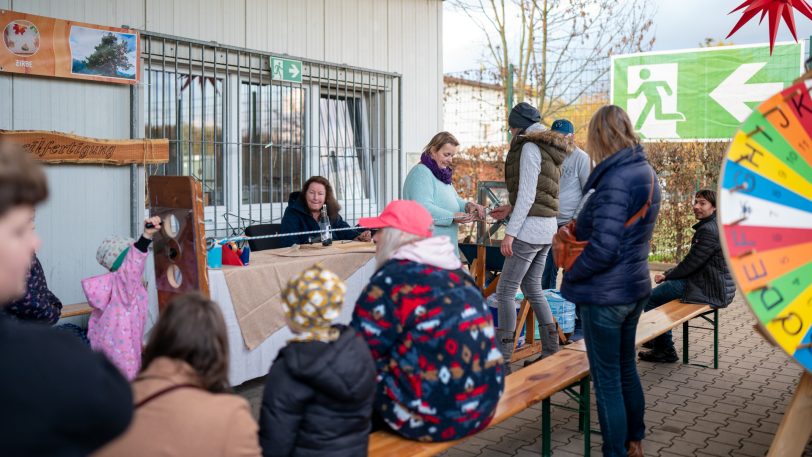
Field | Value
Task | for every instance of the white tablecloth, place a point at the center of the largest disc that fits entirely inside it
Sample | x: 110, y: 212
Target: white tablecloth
x: 246, y: 365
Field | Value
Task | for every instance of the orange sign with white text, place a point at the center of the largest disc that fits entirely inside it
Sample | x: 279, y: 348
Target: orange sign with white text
x: 38, y: 45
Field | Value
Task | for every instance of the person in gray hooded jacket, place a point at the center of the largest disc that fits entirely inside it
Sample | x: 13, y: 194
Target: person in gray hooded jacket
x: 532, y: 173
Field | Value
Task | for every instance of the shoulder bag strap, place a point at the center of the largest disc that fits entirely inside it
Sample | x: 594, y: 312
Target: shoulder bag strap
x: 644, y: 210
x: 164, y: 392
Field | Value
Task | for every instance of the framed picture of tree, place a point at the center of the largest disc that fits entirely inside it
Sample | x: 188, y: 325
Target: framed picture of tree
x: 38, y: 45
x: 100, y: 52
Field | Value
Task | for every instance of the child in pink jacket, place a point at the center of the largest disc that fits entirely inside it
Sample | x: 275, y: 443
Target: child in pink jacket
x: 119, y: 299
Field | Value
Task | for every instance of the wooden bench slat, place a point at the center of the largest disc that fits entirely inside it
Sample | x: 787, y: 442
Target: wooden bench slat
x: 78, y: 309
x: 530, y: 385
x: 657, y: 321
x: 664, y: 318
x: 523, y: 389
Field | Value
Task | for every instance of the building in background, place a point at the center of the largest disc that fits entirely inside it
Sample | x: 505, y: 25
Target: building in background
x: 369, y: 98
x: 473, y: 110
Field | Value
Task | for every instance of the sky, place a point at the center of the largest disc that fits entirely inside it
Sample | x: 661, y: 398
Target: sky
x: 679, y: 24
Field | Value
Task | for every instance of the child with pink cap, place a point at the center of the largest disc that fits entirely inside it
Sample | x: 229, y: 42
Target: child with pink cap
x: 119, y: 299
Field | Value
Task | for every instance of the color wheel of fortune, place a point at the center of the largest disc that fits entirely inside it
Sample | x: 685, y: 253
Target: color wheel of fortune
x: 765, y: 214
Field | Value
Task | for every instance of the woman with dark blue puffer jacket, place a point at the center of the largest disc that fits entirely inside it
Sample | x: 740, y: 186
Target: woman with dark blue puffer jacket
x: 610, y: 280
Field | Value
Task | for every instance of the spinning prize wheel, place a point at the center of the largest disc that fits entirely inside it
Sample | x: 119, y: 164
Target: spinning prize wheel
x: 765, y: 214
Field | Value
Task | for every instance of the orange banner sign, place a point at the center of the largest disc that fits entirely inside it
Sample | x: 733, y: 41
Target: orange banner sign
x: 38, y: 45
x: 56, y: 147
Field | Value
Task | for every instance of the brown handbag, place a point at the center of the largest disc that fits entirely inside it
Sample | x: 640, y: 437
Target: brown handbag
x: 566, y: 247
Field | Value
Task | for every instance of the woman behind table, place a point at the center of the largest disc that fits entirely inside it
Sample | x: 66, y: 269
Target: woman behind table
x: 429, y: 183
x: 428, y: 328
x: 57, y: 397
x: 304, y: 210
x: 182, y: 404
x: 610, y: 280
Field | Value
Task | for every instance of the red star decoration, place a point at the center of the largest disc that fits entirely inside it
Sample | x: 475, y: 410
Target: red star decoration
x: 776, y: 9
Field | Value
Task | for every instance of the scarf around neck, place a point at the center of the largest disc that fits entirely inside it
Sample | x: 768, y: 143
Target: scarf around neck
x: 443, y: 174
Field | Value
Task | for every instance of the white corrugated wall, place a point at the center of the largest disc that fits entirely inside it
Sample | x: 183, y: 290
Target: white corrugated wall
x: 88, y: 203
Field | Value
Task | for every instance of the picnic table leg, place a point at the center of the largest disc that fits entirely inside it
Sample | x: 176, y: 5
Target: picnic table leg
x: 546, y: 432
x: 585, y: 422
x: 685, y: 342
x: 715, y: 339
x: 524, y: 312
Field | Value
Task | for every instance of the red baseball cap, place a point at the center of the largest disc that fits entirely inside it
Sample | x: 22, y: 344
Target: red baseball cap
x: 405, y: 215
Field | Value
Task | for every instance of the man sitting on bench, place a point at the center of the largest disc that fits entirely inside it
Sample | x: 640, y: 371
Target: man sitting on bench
x: 702, y: 277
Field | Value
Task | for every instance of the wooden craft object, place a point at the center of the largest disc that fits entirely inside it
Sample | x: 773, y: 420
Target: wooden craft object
x: 58, y: 147
x: 180, y: 246
x: 527, y: 320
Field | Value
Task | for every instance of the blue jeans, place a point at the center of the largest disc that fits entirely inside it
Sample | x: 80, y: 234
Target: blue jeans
x: 660, y: 295
x: 550, y: 275
x: 609, y: 332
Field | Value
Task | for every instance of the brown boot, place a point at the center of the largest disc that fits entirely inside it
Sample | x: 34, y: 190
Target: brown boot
x: 635, y: 449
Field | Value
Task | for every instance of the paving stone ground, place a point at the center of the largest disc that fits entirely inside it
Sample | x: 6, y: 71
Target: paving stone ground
x: 690, y: 411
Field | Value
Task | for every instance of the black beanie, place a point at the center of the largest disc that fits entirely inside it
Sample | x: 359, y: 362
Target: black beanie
x: 523, y: 115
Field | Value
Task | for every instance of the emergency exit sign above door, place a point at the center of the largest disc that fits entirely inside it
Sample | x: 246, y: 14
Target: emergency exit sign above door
x: 287, y: 70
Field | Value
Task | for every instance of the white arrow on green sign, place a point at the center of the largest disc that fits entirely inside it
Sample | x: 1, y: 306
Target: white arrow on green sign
x: 287, y: 70
x: 700, y: 94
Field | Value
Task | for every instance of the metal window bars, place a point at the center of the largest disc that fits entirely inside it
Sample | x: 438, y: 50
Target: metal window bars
x: 252, y: 140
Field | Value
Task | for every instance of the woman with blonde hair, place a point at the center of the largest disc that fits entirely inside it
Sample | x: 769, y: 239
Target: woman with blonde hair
x: 440, y: 374
x: 183, y: 400
x: 610, y: 280
x: 429, y: 183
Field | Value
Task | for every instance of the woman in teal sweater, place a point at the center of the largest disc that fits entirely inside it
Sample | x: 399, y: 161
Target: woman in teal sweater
x: 429, y: 183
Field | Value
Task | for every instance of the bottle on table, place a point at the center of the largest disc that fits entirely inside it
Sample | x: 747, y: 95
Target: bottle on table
x: 324, y: 226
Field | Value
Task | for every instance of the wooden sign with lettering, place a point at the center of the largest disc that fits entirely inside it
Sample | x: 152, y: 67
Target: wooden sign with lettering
x: 56, y: 147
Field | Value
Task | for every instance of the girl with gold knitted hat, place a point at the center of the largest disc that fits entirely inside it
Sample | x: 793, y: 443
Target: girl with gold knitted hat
x: 319, y: 392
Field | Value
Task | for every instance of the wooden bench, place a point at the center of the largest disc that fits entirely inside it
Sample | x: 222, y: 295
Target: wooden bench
x: 523, y: 389
x: 667, y: 317
x: 78, y: 309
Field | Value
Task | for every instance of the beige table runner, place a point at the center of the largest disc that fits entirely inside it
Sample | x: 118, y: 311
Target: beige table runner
x: 256, y: 289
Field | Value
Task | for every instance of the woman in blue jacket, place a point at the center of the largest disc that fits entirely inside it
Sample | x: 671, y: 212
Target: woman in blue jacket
x: 610, y: 280
x: 304, y: 210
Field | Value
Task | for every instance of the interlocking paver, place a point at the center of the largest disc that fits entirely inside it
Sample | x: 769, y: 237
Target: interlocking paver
x: 747, y: 418
x: 659, y: 435
x: 729, y: 438
x: 724, y: 408
x: 458, y: 453
x: 741, y: 428
x: 705, y: 426
x: 752, y: 450
x: 685, y: 448
x: 717, y: 448
x: 489, y: 452
x: 662, y: 407
x: 508, y: 444
x: 760, y: 437
x: 715, y: 417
